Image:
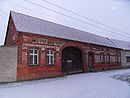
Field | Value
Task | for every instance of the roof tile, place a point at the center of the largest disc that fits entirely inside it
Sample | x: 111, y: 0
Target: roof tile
x: 29, y: 24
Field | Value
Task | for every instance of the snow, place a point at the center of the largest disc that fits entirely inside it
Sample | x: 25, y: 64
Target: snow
x: 85, y: 85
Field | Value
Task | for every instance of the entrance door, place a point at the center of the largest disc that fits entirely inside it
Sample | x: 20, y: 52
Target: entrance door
x: 71, y: 60
x: 91, y: 62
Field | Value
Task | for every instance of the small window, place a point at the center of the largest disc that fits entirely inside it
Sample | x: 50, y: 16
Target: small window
x: 128, y: 59
x: 34, y: 40
x: 33, y: 57
x: 43, y: 41
x: 50, y: 43
x: 26, y: 38
x: 50, y: 57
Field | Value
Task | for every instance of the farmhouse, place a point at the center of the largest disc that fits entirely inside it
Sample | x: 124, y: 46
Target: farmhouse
x: 46, y: 49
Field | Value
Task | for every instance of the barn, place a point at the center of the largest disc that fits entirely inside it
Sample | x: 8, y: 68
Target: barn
x: 46, y: 49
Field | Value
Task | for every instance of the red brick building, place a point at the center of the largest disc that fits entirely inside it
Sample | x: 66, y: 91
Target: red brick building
x: 47, y: 49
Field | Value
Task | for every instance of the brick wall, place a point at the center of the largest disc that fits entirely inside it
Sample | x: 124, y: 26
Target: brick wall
x: 11, y: 33
x: 25, y: 72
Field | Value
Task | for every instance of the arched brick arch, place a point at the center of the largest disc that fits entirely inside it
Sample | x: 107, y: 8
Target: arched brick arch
x: 71, y: 45
x: 84, y: 63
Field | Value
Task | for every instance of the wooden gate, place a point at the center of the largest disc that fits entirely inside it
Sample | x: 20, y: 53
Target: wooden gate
x: 71, y: 60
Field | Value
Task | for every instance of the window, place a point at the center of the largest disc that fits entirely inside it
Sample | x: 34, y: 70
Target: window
x: 33, y: 57
x: 116, y: 58
x: 34, y: 40
x: 112, y: 59
x: 50, y: 57
x: 108, y: 58
x: 26, y: 38
x: 128, y: 59
x: 119, y: 58
x: 97, y: 58
x: 50, y: 43
x: 102, y: 58
x: 43, y: 41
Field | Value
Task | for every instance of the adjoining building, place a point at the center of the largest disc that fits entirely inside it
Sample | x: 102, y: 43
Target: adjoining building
x: 46, y: 49
x: 125, y: 52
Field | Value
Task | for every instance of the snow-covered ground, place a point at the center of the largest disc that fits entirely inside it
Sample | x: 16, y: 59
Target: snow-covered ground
x: 86, y: 85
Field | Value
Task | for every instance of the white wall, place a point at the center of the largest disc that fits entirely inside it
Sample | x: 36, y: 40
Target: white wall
x: 123, y: 58
x: 8, y: 63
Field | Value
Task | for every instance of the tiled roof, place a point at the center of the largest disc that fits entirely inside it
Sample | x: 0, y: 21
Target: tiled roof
x: 29, y: 24
x: 125, y: 45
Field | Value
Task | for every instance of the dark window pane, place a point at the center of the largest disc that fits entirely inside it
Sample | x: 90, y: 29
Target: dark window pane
x: 35, y: 59
x: 34, y: 40
x: 51, y: 59
x: 48, y: 52
x: 51, y: 52
x: 31, y: 59
x: 35, y: 51
x: 47, y: 59
x: 30, y: 51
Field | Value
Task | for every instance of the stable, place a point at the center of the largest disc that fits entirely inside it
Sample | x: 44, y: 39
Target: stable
x: 46, y: 49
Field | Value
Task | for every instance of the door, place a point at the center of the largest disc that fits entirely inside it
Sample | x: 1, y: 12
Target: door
x: 91, y: 61
x: 71, y: 60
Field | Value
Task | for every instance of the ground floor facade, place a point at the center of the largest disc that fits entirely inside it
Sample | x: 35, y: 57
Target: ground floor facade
x: 36, y: 57
x: 43, y: 57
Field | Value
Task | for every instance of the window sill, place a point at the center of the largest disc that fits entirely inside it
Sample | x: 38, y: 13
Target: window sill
x: 33, y: 65
x: 50, y: 65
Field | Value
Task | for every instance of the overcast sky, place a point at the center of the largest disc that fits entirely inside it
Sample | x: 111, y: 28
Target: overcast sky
x: 113, y: 13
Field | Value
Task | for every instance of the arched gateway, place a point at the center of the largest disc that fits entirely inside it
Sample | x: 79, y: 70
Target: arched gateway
x: 71, y: 60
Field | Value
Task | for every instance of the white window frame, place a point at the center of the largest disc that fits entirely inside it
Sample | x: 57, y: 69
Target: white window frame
x: 50, y: 55
x: 34, y: 54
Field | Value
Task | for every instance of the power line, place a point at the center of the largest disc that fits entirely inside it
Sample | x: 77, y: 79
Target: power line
x: 3, y: 12
x: 17, y: 5
x: 2, y: 15
x: 73, y: 18
x: 37, y: 11
x: 83, y: 16
x: 44, y: 13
